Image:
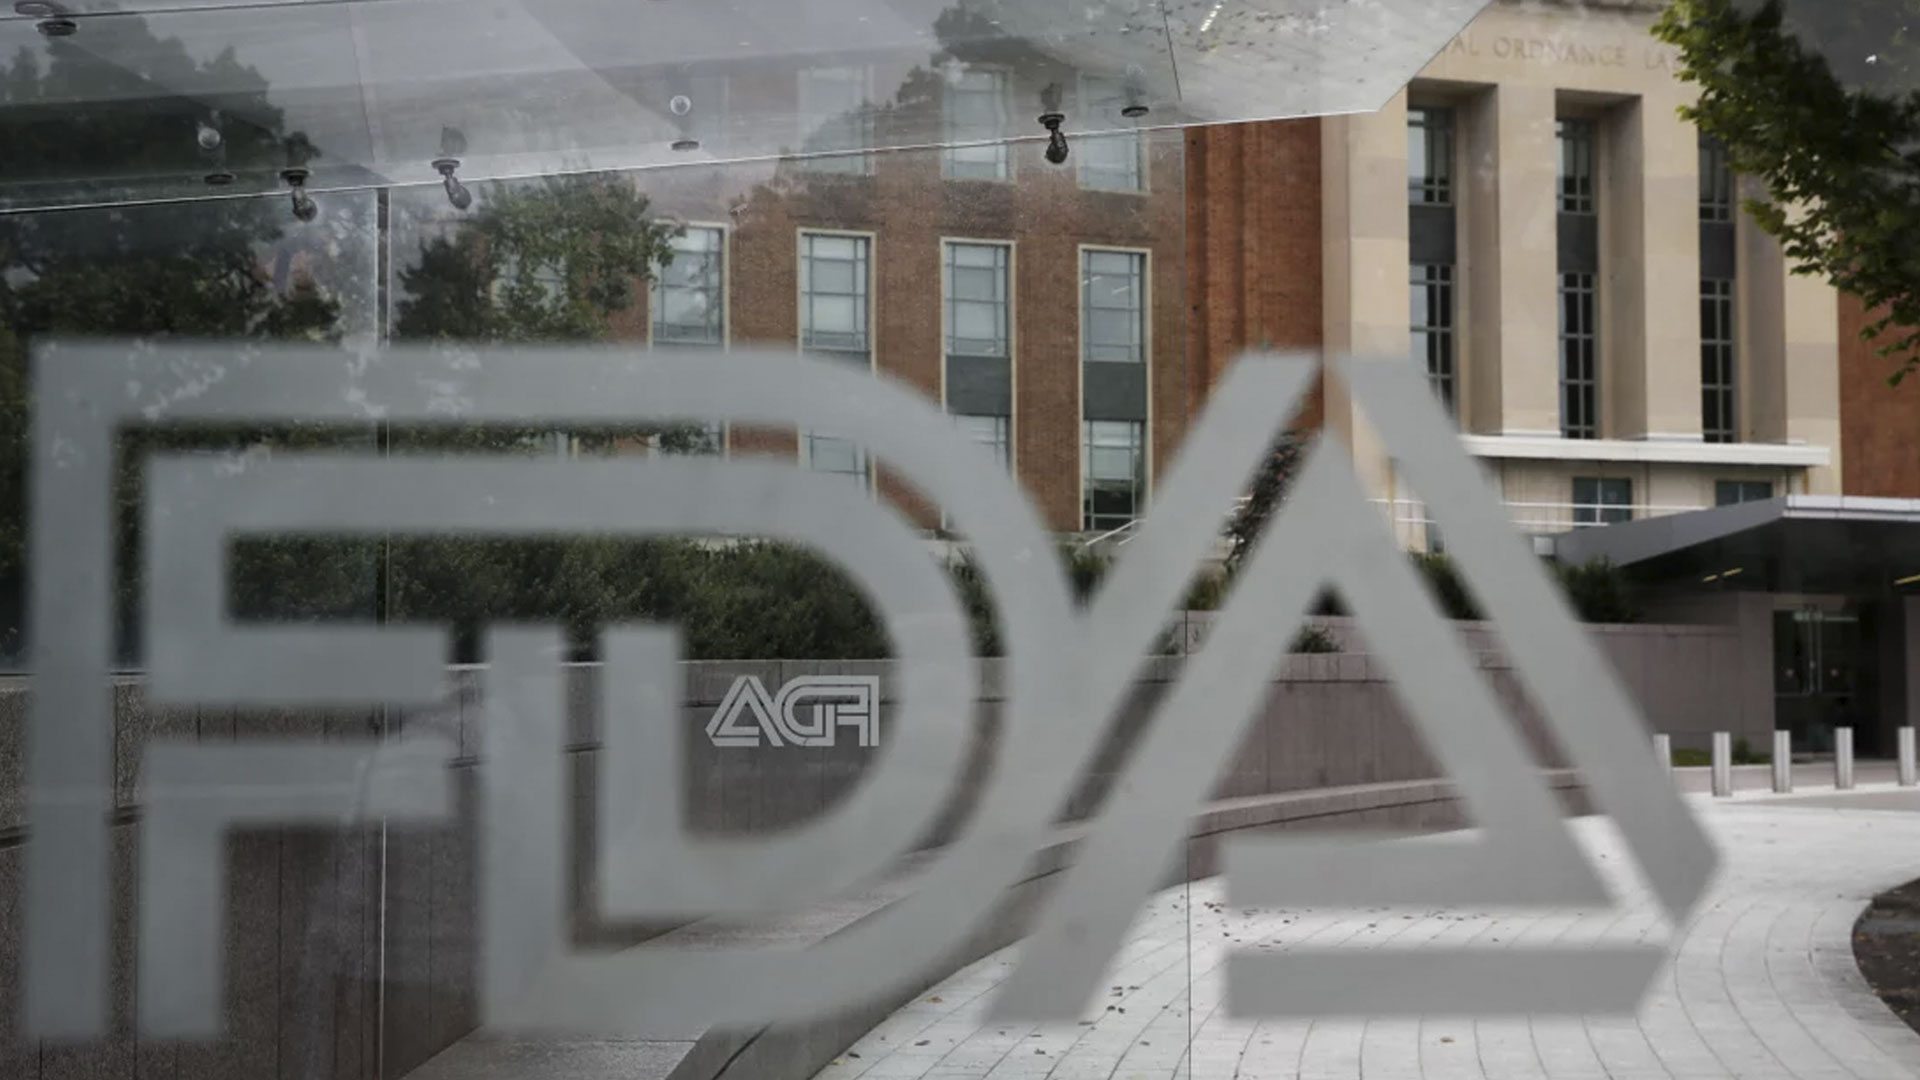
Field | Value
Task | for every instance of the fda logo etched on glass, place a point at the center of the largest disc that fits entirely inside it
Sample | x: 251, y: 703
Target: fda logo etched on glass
x: 1068, y: 672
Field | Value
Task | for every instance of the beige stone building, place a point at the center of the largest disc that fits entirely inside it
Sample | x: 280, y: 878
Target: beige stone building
x: 1570, y: 265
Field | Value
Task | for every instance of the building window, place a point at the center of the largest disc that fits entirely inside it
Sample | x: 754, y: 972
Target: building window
x: 827, y: 454
x: 1430, y: 156
x: 1431, y: 293
x: 1113, y: 296
x: 1579, y: 367
x: 1576, y: 166
x: 1735, y: 492
x: 1602, y: 500
x: 838, y: 118
x: 1113, y: 488
x: 1111, y: 162
x: 834, y: 292
x: 975, y: 104
x: 992, y: 432
x: 689, y: 293
x: 1717, y: 421
x: 1716, y: 182
x: 978, y: 321
x: 1114, y: 162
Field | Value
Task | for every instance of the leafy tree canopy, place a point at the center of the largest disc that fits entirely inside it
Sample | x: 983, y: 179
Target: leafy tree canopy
x: 1817, y: 100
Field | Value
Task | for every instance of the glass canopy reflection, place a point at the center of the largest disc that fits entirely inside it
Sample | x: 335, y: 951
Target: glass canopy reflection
x: 148, y: 100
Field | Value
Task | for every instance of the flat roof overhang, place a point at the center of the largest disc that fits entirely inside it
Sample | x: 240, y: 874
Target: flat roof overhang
x: 1795, y: 544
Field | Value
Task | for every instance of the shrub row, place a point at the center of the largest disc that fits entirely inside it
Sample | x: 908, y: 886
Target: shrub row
x: 741, y: 600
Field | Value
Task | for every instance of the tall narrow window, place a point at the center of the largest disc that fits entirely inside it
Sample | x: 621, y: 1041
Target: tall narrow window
x: 689, y: 308
x: 1579, y: 266
x: 1432, y: 317
x: 689, y: 293
x: 977, y: 304
x: 1717, y: 423
x: 1430, y: 156
x: 1719, y: 353
x: 1716, y: 182
x: 1576, y: 166
x: 1108, y: 162
x: 979, y: 348
x: 1579, y: 359
x: 835, y: 273
x: 1602, y: 500
x: 1432, y: 231
x: 833, y: 294
x: 837, y: 120
x: 975, y: 106
x: 1113, y: 478
x: 1113, y: 293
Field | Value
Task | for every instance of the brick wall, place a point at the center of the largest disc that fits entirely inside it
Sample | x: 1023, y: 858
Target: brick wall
x: 1877, y: 421
x: 909, y: 207
x: 1253, y: 245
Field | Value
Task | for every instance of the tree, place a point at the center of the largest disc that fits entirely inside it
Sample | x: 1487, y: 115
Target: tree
x: 130, y: 105
x: 1270, y: 485
x: 1818, y: 103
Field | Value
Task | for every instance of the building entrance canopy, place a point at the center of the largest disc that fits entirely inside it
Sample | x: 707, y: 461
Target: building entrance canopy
x: 142, y: 100
x: 1796, y: 544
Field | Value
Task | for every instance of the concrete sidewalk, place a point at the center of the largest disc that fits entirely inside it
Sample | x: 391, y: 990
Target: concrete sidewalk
x: 1764, y: 985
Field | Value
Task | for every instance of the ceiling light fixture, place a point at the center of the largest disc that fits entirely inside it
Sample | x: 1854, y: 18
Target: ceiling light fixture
x: 457, y: 192
x: 304, y: 208
x: 1913, y: 579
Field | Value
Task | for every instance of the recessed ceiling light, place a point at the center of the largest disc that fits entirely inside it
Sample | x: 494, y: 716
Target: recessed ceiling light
x: 34, y: 9
x: 1134, y: 112
x: 57, y: 28
x: 219, y: 179
x: 686, y: 144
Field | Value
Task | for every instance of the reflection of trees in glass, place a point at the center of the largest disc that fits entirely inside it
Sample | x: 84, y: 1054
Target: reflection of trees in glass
x: 555, y: 260
x: 130, y: 105
x: 1817, y: 100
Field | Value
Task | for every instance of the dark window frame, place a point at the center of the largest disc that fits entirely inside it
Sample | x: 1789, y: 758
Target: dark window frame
x: 1431, y: 299
x: 1579, y: 356
x: 1602, y: 500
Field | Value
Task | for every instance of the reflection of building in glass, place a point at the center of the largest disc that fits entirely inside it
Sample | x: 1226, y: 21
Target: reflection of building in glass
x: 1038, y: 310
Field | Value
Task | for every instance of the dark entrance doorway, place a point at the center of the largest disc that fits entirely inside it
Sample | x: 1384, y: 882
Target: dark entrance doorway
x: 1824, y: 678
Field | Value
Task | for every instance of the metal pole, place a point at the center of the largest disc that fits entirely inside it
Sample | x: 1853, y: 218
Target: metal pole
x: 1843, y: 759
x: 1663, y: 753
x: 1907, y: 778
x: 1722, y: 764
x: 1782, y: 762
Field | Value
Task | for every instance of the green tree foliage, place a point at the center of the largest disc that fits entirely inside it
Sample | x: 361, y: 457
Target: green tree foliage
x: 86, y: 120
x: 1817, y: 100
x: 1599, y: 592
x: 552, y: 260
x: 1270, y: 486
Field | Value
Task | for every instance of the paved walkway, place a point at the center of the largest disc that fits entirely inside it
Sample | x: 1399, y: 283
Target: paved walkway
x: 1764, y: 986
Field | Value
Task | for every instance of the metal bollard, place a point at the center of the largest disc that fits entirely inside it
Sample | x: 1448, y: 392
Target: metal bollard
x: 1907, y: 778
x: 1782, y: 762
x: 1663, y: 753
x: 1722, y: 764
x: 1843, y: 759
